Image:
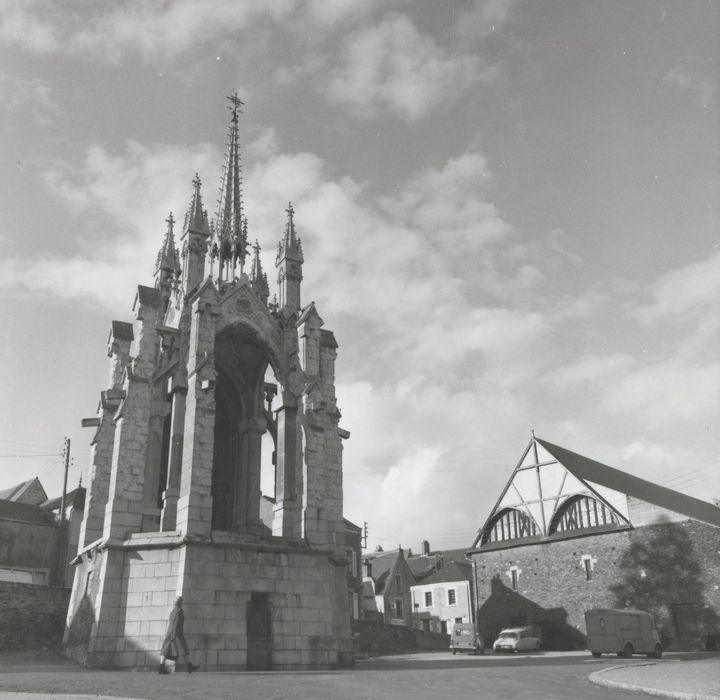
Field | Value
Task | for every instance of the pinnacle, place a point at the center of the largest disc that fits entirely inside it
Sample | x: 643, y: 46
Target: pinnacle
x: 168, y: 259
x: 196, y: 217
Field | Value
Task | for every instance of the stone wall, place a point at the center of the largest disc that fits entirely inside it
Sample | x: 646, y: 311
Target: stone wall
x: 32, y: 616
x: 216, y: 581
x: 28, y: 545
x: 655, y: 568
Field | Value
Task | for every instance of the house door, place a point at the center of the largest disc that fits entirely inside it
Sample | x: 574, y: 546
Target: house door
x: 259, y: 632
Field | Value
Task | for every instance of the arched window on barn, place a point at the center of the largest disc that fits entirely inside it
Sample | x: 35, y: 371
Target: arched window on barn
x: 582, y: 513
x: 510, y: 524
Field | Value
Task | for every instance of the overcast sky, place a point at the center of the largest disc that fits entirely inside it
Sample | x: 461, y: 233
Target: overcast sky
x: 509, y: 213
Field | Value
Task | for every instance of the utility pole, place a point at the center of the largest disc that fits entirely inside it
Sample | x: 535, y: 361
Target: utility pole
x: 62, y: 549
x: 365, y: 535
x: 66, y: 458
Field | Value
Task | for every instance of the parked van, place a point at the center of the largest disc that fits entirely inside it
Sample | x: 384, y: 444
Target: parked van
x: 465, y: 637
x: 622, y: 632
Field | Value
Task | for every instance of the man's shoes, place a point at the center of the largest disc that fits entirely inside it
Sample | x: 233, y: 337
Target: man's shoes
x: 162, y: 670
x: 191, y: 667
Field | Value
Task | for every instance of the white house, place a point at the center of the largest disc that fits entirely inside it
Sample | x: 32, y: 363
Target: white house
x: 443, y: 598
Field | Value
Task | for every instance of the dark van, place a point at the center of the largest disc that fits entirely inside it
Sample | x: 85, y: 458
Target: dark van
x: 465, y: 637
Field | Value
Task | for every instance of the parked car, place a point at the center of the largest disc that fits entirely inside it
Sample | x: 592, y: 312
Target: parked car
x: 622, y: 632
x: 517, y: 639
x: 465, y: 637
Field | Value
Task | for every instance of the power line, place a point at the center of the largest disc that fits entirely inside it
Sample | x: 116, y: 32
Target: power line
x: 53, y: 454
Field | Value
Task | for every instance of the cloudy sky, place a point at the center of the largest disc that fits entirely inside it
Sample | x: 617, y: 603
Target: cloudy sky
x: 509, y: 212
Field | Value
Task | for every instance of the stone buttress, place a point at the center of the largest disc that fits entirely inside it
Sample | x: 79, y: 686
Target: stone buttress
x: 216, y: 466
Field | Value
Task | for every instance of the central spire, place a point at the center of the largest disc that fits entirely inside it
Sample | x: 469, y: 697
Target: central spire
x: 230, y: 245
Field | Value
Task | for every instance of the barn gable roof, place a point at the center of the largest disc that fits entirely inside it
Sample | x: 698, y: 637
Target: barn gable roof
x: 549, y: 476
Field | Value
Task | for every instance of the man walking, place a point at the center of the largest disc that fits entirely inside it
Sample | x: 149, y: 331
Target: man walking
x: 174, y: 645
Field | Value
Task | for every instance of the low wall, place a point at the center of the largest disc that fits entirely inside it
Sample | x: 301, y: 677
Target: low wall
x: 372, y: 638
x: 32, y: 616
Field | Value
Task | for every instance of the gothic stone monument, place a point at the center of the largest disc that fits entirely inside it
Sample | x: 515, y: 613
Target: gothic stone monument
x: 216, y: 465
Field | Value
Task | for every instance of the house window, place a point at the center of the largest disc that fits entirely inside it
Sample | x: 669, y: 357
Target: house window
x: 458, y: 619
x: 451, y: 597
x: 588, y: 564
x: 398, y: 608
x: 397, y: 582
x: 513, y: 575
x: 428, y: 599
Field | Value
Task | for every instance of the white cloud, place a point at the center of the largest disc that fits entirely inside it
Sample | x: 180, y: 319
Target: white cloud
x: 33, y: 96
x: 133, y: 27
x: 685, y: 79
x: 22, y: 24
x: 693, y: 290
x: 590, y: 371
x: 119, y: 203
x: 667, y: 392
x: 392, y: 66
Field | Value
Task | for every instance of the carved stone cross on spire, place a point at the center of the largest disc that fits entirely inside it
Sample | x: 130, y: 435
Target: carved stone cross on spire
x: 170, y: 221
x: 236, y: 104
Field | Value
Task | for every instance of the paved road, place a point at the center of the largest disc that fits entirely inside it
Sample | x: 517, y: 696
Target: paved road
x: 544, y: 676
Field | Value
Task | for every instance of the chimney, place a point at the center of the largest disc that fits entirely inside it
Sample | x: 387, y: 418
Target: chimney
x: 426, y: 548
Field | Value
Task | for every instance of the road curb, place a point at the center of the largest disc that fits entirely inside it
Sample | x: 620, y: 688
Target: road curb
x: 598, y: 678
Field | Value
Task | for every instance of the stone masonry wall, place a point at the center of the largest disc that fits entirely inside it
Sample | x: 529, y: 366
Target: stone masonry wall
x: 216, y: 583
x: 552, y: 586
x: 32, y: 616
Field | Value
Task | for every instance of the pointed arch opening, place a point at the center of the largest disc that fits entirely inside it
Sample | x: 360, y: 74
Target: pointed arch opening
x: 510, y: 524
x: 245, y: 434
x: 582, y: 512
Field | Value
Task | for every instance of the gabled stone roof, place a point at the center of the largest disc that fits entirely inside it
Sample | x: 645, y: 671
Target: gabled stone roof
x: 24, y: 513
x: 449, y: 573
x: 30, y: 491
x: 599, y: 473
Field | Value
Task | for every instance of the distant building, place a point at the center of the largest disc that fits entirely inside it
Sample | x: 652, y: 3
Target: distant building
x: 33, y: 548
x: 387, y: 580
x: 353, y: 553
x: 568, y: 534
x: 443, y: 598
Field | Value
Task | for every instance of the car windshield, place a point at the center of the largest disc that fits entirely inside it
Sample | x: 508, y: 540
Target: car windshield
x: 509, y: 635
x: 464, y: 633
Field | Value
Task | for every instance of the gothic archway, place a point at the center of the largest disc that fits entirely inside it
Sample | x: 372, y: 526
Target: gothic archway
x: 242, y: 417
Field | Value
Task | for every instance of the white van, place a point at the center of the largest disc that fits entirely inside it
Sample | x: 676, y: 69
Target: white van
x: 622, y: 632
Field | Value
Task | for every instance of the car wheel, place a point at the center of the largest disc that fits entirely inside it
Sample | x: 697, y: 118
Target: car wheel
x: 453, y: 652
x: 627, y: 651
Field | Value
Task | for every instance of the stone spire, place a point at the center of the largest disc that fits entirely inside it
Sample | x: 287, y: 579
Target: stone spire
x: 258, y: 278
x: 230, y: 244
x: 196, y: 234
x: 167, y: 264
x: 289, y: 265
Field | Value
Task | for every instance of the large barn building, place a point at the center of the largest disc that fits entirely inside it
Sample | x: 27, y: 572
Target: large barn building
x: 568, y: 534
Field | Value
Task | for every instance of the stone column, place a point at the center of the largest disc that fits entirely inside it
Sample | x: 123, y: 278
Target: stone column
x: 159, y: 411
x: 286, y: 516
x: 254, y: 429
x: 101, y: 448
x: 194, y: 509
x: 168, y: 518
x: 124, y: 510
